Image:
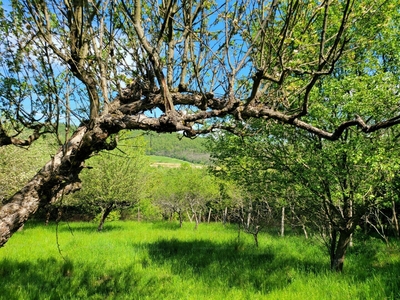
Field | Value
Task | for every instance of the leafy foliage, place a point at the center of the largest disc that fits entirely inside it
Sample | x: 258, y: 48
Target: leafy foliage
x: 185, y: 189
x: 115, y: 180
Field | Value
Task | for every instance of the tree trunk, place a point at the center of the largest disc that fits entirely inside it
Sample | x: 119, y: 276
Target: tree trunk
x: 248, y: 220
x: 283, y: 221
x: 224, y: 215
x: 366, y: 224
x: 303, y: 226
x: 304, y: 230
x: 196, y: 219
x: 180, y: 218
x: 190, y: 217
x: 394, y: 220
x: 333, y: 246
x: 209, y: 216
x: 340, y: 251
x: 351, y: 215
x: 255, y: 235
x: 104, y: 216
x: 59, y: 176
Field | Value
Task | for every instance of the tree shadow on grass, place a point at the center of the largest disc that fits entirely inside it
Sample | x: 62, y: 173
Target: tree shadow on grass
x: 166, y: 225
x: 64, y: 226
x: 370, y: 260
x: 89, y: 228
x: 57, y: 279
x: 232, y: 264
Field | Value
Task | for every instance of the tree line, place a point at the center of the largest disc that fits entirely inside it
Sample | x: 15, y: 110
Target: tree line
x: 270, y: 181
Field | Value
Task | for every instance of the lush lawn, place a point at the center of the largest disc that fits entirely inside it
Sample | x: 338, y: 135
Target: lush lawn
x: 161, y: 261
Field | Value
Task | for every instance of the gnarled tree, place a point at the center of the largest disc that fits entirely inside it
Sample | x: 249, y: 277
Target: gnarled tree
x: 197, y: 65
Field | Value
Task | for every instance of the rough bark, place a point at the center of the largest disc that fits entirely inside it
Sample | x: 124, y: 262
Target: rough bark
x: 58, y: 176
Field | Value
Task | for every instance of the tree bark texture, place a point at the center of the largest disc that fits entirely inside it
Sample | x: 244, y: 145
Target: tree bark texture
x: 59, y: 176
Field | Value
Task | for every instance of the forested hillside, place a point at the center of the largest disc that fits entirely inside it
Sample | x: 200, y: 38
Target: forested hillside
x: 171, y: 145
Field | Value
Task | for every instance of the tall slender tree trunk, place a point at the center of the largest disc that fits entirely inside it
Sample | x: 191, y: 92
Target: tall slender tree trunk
x: 225, y: 215
x: 209, y: 215
x: 283, y: 221
x: 196, y: 219
x: 351, y: 215
x: 395, y: 220
x: 248, y: 220
x: 304, y: 230
x: 180, y: 218
x: 190, y: 217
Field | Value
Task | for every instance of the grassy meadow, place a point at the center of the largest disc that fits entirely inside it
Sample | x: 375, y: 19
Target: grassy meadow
x: 131, y: 260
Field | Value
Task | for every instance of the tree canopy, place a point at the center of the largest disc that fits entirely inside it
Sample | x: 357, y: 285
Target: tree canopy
x: 188, y: 66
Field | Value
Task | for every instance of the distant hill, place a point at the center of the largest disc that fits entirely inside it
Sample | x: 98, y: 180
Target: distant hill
x: 170, y: 145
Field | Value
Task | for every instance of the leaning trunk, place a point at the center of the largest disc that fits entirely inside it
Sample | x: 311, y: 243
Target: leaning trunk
x: 59, y: 176
x: 104, y: 216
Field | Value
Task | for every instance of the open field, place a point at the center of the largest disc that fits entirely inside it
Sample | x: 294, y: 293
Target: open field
x: 168, y: 162
x: 131, y: 260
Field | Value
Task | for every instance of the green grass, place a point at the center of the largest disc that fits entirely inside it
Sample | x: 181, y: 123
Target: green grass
x: 131, y: 260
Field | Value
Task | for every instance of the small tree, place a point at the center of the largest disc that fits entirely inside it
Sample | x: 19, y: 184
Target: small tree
x: 186, y: 189
x: 115, y: 179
